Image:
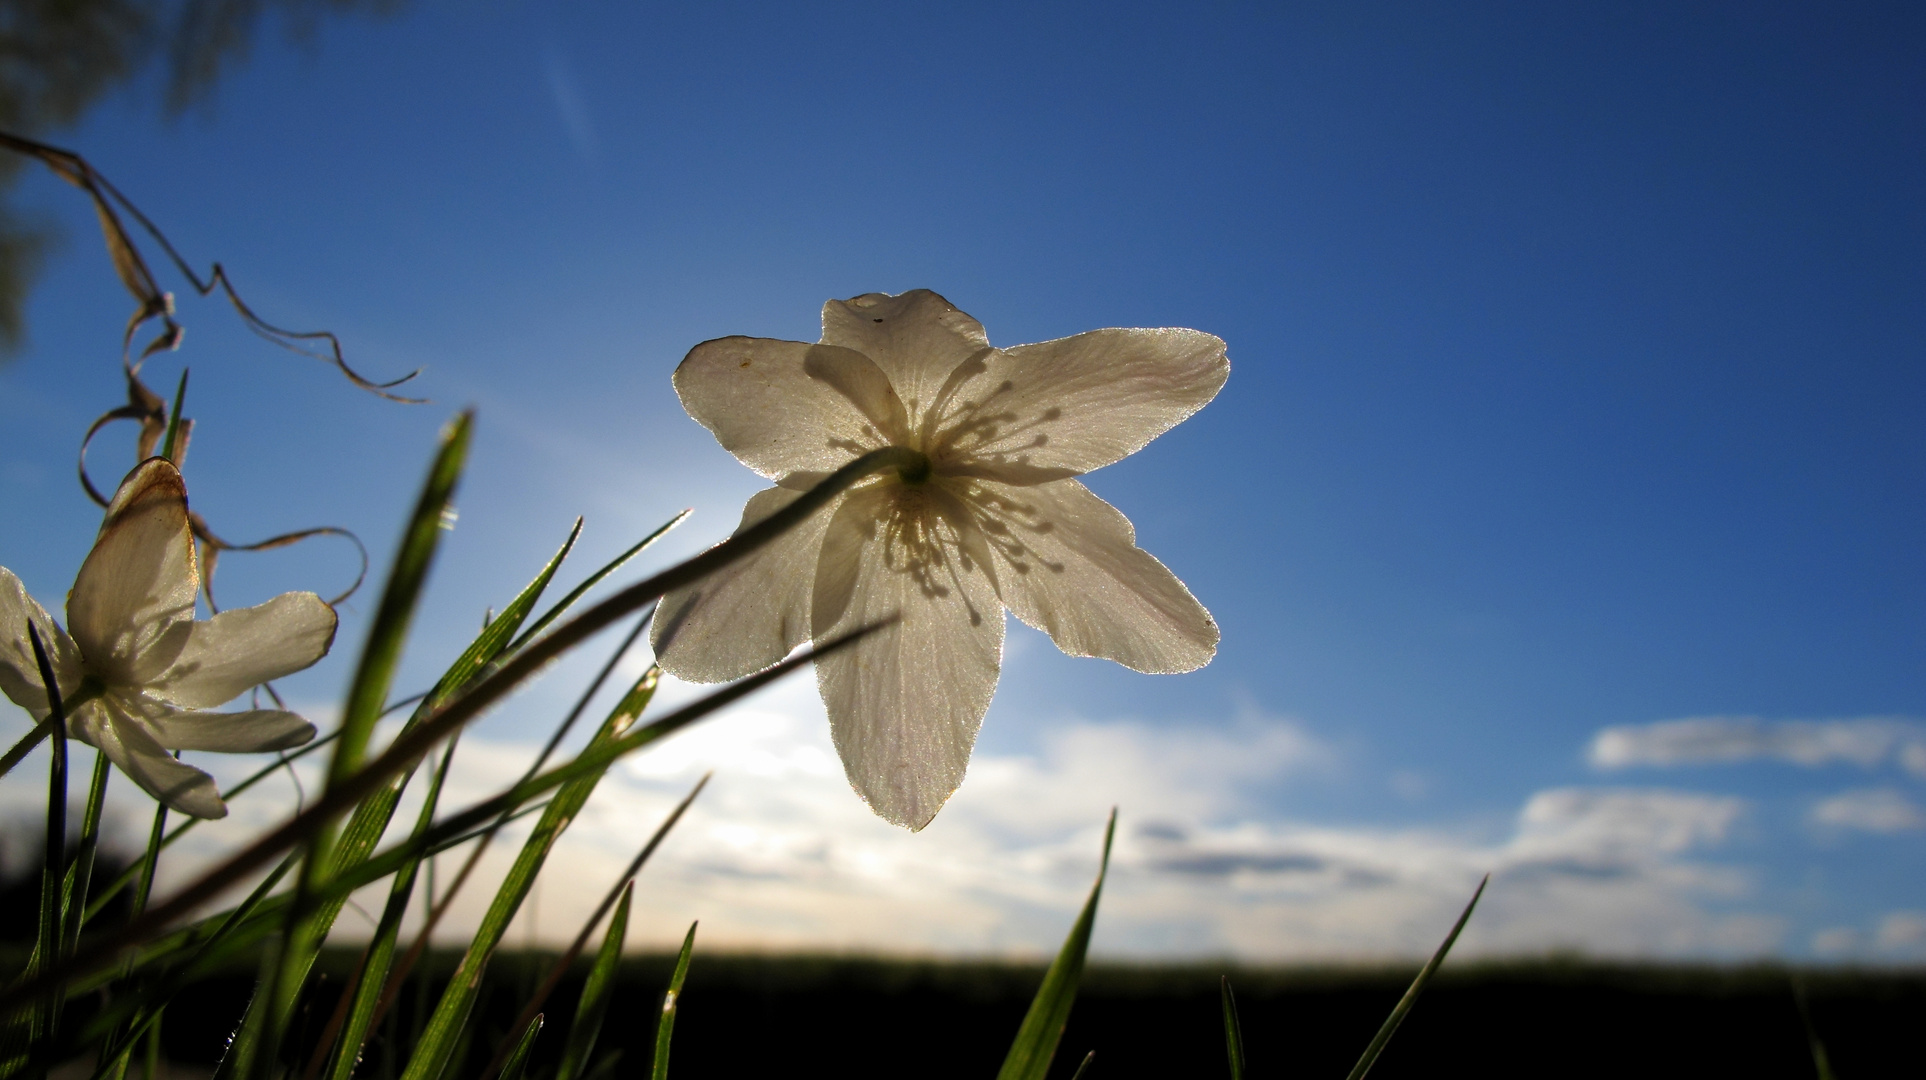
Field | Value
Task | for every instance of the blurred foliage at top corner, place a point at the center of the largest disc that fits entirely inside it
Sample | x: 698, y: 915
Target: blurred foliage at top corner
x: 59, y: 58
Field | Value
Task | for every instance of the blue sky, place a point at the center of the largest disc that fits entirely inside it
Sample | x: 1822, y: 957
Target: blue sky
x: 1576, y: 389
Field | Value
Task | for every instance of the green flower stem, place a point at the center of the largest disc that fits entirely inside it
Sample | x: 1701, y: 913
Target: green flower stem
x: 48, y: 949
x: 88, y: 691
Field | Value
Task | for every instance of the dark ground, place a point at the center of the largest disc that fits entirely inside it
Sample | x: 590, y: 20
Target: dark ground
x: 758, y: 1016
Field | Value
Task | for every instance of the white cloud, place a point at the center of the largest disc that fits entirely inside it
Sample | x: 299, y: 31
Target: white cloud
x: 779, y: 852
x: 1867, y: 742
x: 1895, y: 937
x: 1902, y: 932
x: 1879, y: 810
x: 1837, y: 941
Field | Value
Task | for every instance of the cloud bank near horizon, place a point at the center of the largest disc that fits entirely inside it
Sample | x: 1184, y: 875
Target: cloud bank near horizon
x: 780, y: 854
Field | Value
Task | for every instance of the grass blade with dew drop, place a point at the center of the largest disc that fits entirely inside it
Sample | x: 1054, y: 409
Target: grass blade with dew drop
x: 560, y: 968
x: 1410, y: 998
x: 436, y: 1050
x: 1084, y: 1065
x: 518, y: 1058
x: 253, y: 1047
x: 1233, y: 1030
x: 594, y: 1004
x: 1036, y: 1040
x: 671, y: 1001
x: 372, y: 817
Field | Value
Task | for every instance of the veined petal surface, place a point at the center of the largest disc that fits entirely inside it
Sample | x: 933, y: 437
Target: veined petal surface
x: 19, y: 672
x: 916, y: 338
x: 1035, y: 413
x: 905, y: 704
x: 139, y: 580
x: 783, y: 406
x: 238, y: 649
x: 120, y: 733
x: 749, y: 614
x: 1069, y: 565
x: 251, y: 731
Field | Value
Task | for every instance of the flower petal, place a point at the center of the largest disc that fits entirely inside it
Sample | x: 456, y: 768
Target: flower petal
x: 905, y: 704
x: 249, y: 732
x: 19, y: 672
x: 125, y: 740
x: 1036, y: 413
x: 236, y: 650
x: 749, y: 614
x: 138, y: 582
x: 917, y: 338
x: 782, y: 406
x: 1071, y: 568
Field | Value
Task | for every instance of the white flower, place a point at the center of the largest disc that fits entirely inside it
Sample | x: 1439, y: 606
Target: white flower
x: 141, y: 669
x: 995, y: 521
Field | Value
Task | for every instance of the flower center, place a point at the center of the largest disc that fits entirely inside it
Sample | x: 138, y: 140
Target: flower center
x: 915, y: 469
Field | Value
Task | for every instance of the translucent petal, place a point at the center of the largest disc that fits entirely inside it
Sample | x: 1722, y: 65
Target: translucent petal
x: 917, y: 338
x: 248, y: 732
x: 1038, y: 413
x: 138, y: 582
x: 782, y: 406
x: 19, y: 673
x: 1069, y: 565
x: 236, y: 650
x: 905, y: 705
x: 127, y: 742
x: 749, y: 614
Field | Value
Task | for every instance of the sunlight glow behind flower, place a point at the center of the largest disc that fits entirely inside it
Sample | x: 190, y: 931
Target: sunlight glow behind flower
x: 993, y: 519
x: 138, y: 671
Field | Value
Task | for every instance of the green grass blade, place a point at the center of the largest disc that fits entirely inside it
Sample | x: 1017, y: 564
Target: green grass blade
x: 53, y: 873
x: 1084, y: 1065
x: 1036, y: 1041
x: 623, y: 881
x: 25, y: 746
x: 1821, y: 1062
x: 1233, y: 1031
x: 210, y: 944
x: 671, y: 1001
x: 381, y: 655
x: 587, y: 1025
x: 172, y: 442
x: 400, y: 756
x: 371, y: 818
x: 80, y: 874
x: 286, y: 969
x: 360, y: 998
x: 1410, y: 998
x: 160, y: 841
x: 434, y: 1053
x: 518, y: 1060
x: 565, y: 603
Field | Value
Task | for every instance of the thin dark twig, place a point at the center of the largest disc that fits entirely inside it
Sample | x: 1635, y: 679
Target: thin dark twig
x: 139, y: 279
